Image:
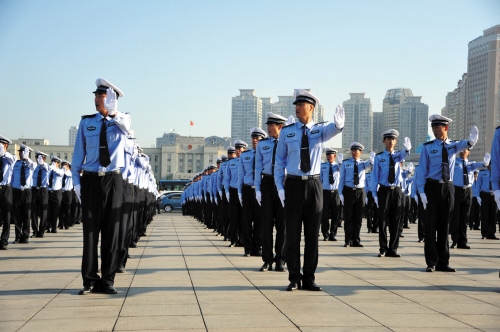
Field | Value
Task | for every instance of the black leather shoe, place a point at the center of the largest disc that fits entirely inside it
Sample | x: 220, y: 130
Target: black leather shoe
x: 358, y: 245
x: 401, y: 235
x: 257, y: 253
x: 128, y: 256
x: 293, y: 286
x: 232, y: 245
x: 16, y: 241
x: 420, y: 240
x: 85, y: 290
x: 463, y: 246
x: 133, y: 245
x: 382, y: 254
x: 332, y: 238
x: 325, y: 238
x: 311, y: 286
x: 492, y: 237
x: 120, y: 269
x: 105, y: 289
x: 247, y: 253
x: 280, y: 266
x: 266, y: 267
x: 446, y: 268
x: 24, y: 241
x: 345, y: 245
x: 392, y: 254
x: 2, y: 247
x: 429, y: 269
x: 54, y: 231
x: 374, y: 230
x: 453, y: 245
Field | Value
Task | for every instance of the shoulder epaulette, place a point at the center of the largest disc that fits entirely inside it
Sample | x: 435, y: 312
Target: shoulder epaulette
x: 320, y: 123
x: 346, y: 159
x: 427, y: 143
x: 245, y: 151
x: 88, y: 116
x: 264, y: 139
x: 379, y: 153
x: 288, y: 125
x: 497, y: 127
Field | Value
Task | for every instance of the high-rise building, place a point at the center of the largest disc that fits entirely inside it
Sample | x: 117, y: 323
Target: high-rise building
x: 358, y: 126
x: 266, y: 107
x: 378, y: 129
x: 72, y: 135
x: 455, y: 110
x: 391, y: 107
x: 246, y: 113
x: 413, y: 122
x: 483, y: 84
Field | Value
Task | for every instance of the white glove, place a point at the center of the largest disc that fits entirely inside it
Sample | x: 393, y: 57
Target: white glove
x: 410, y: 167
x: 341, y: 199
x: 416, y: 199
x: 2, y: 150
x: 366, y: 200
x: 479, y: 200
x: 227, y: 196
x: 258, y: 197
x: 339, y: 117
x: 291, y: 120
x: 375, y: 199
x: 474, y: 134
x: 241, y: 198
x: 39, y: 160
x: 211, y: 198
x: 110, y: 102
x: 220, y: 193
x: 340, y: 158
x: 216, y: 202
x: 407, y: 144
x: 487, y: 158
x: 78, y: 192
x: 53, y: 165
x: 281, y: 194
x: 372, y: 157
x: 26, y: 154
x: 423, y: 197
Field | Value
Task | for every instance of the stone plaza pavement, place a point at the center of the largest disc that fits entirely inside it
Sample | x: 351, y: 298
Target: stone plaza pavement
x: 182, y: 277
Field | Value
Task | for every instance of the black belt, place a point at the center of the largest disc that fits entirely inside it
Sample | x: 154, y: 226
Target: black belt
x: 438, y: 181
x: 5, y: 186
x: 468, y: 187
x: 302, y: 177
x: 39, y: 187
x: 117, y: 171
x: 22, y: 189
x: 391, y: 187
x: 492, y: 194
x: 267, y: 175
x: 332, y: 191
x: 353, y: 188
x: 249, y: 186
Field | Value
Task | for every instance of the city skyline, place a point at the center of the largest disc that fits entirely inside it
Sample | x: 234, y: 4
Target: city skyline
x: 178, y: 64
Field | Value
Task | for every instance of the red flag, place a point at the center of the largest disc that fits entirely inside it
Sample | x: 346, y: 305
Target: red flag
x: 192, y: 124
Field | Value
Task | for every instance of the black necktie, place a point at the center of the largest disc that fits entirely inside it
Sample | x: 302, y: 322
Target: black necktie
x: 305, y: 159
x: 1, y: 169
x: 274, y: 155
x: 489, y: 179
x: 64, y: 180
x: 51, y: 177
x: 446, y: 166
x: 356, y: 176
x: 254, y: 166
x: 39, y: 178
x: 23, y: 175
x: 330, y: 175
x: 392, y: 170
x: 104, y: 158
x: 466, y: 174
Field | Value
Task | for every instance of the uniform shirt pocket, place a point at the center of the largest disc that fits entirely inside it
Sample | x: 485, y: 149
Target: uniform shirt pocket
x: 293, y: 143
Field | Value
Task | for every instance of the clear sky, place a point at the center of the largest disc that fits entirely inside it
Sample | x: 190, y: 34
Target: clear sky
x: 178, y: 61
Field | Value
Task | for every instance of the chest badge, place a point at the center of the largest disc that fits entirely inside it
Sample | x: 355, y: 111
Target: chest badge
x: 434, y: 151
x: 314, y: 132
x: 266, y: 148
x: 290, y: 135
x: 90, y: 128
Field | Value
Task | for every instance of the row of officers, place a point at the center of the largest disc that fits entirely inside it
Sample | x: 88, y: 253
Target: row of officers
x: 245, y: 196
x: 109, y: 179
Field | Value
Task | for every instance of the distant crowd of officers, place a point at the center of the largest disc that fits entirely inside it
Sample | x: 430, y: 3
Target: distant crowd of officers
x: 242, y: 197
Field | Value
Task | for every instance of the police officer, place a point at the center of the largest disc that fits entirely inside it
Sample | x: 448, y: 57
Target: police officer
x: 272, y: 213
x: 330, y: 175
x: 100, y: 143
x: 216, y: 199
x: 223, y: 203
x: 371, y: 208
x: 489, y: 208
x: 437, y: 193
x: 251, y: 215
x: 231, y: 185
x: 67, y: 197
x: 299, y: 153
x: 22, y: 181
x: 7, y: 162
x: 352, y: 193
x: 390, y: 196
x: 463, y: 179
x: 495, y: 166
x: 422, y: 216
x: 40, y: 199
x: 55, y: 193
x: 475, y: 211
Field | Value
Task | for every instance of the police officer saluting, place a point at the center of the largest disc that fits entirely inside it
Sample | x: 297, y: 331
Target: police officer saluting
x: 67, y: 196
x: 100, y: 142
x: 330, y: 176
x: 437, y: 192
x: 299, y: 152
x: 40, y: 195
x: 352, y: 193
x: 7, y: 161
x: 390, y: 197
x: 55, y: 193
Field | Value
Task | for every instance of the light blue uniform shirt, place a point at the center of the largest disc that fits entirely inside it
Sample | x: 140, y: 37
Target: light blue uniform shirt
x: 325, y: 175
x: 128, y: 170
x: 68, y: 182
x: 56, y: 179
x: 347, y: 173
x: 408, y: 185
x: 29, y: 167
x: 231, y: 180
x: 458, y: 179
x: 369, y: 182
x: 87, y: 144
x: 288, y: 150
x: 380, y: 173
x: 245, y: 169
x: 45, y: 175
x: 495, y: 160
x: 220, y: 175
x: 430, y: 160
x: 475, y: 188
x: 264, y: 159
x: 483, y: 180
x: 8, y: 167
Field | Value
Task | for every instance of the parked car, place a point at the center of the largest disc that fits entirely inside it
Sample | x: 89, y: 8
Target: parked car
x: 165, y: 193
x: 171, y: 202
